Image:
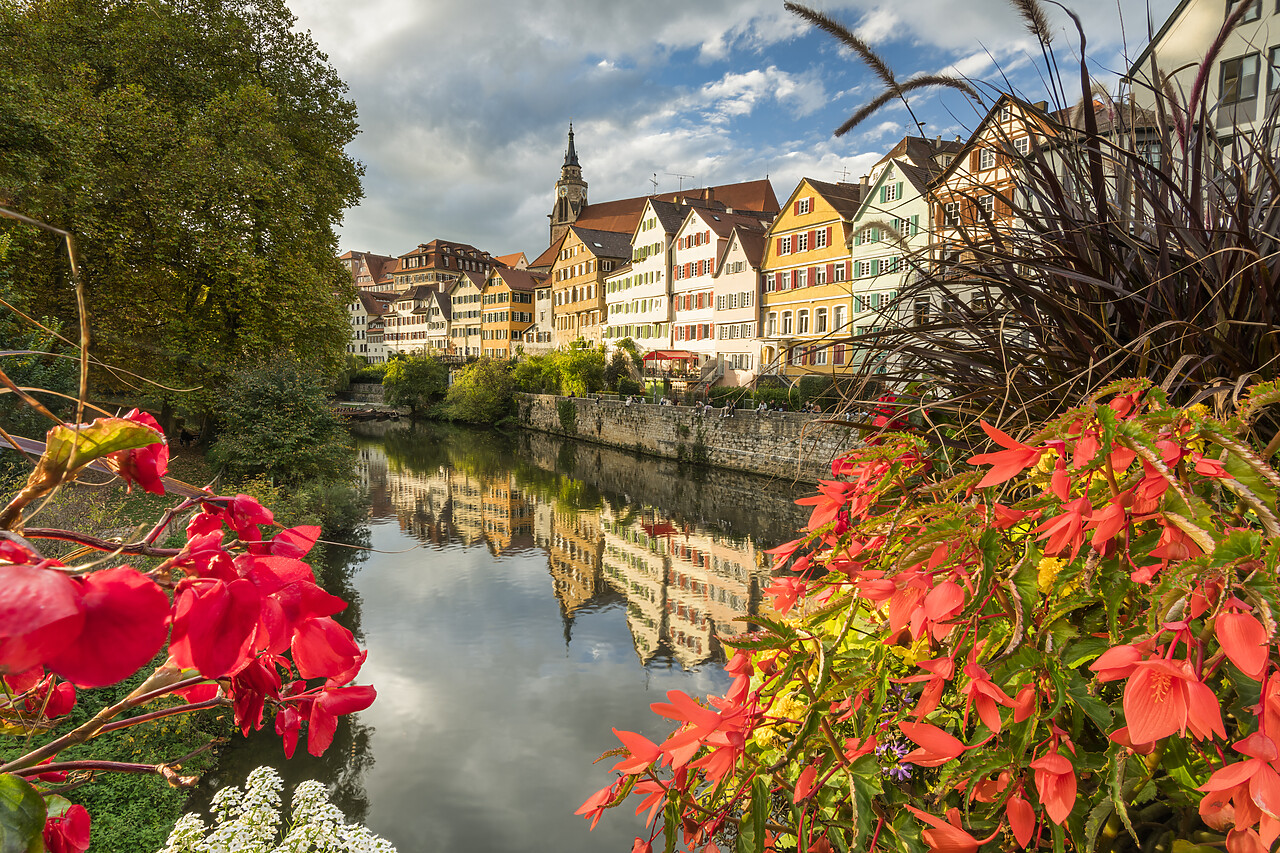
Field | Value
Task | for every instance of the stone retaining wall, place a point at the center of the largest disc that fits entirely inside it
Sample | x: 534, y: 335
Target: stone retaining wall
x: 364, y: 392
x: 778, y: 444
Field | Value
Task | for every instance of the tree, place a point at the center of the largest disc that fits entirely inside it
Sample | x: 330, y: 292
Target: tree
x: 482, y: 393
x: 416, y: 382
x: 275, y: 422
x: 196, y: 149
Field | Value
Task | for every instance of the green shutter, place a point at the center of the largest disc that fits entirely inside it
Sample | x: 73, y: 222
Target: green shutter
x: 899, y: 189
x: 882, y: 195
x: 915, y: 224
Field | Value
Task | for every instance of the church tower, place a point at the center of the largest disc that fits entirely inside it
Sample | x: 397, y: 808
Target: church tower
x: 571, y: 193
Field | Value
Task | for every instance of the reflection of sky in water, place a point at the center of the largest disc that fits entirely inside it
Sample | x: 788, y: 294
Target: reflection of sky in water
x: 487, y: 722
x: 494, y: 695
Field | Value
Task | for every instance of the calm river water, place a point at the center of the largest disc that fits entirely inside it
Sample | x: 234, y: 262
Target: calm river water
x: 524, y: 595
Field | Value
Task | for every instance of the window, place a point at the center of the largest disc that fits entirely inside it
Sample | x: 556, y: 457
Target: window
x: 838, y: 318
x: 804, y: 205
x: 1239, y: 79
x: 987, y: 203
x: 773, y: 323
x: 802, y: 322
x: 784, y: 245
x: 1022, y: 145
x: 1253, y: 14
x: 1273, y: 69
x: 800, y: 277
x: 820, y: 276
x: 820, y: 320
x: 838, y: 272
x: 802, y: 241
x: 922, y: 310
x: 864, y: 269
x: 987, y: 158
x: 786, y: 322
x: 1006, y: 113
x: 951, y: 213
x: 891, y: 192
x: 820, y: 357
x: 820, y: 239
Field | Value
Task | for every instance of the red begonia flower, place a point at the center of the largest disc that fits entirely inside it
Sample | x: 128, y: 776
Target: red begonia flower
x: 288, y: 723
x: 326, y: 709
x: 1022, y: 819
x: 68, y: 832
x: 937, y: 747
x: 1006, y: 464
x: 40, y: 615
x: 1245, y: 642
x: 213, y: 626
x: 145, y: 466
x: 946, y: 836
x: 643, y: 752
x: 323, y: 649
x: 125, y: 624
x: 1163, y: 697
x: 295, y: 541
x: 1056, y: 785
x: 596, y: 803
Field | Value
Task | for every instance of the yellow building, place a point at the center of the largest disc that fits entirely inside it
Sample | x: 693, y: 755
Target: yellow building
x: 507, y: 306
x: 806, y: 273
x: 583, y: 260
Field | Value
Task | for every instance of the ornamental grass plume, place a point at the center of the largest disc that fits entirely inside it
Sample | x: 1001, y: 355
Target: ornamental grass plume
x: 952, y: 675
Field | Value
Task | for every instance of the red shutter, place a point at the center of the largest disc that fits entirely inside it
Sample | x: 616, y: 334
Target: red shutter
x: 973, y: 159
x: 1002, y: 207
x: 778, y: 249
x: 829, y: 235
x: 795, y: 278
x: 813, y: 276
x: 848, y: 270
x: 813, y: 239
x: 831, y: 273
x: 796, y: 208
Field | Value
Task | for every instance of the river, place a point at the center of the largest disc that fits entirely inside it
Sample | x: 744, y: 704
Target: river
x: 522, y: 595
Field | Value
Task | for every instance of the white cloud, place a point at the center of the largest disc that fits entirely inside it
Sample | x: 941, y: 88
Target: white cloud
x: 464, y: 103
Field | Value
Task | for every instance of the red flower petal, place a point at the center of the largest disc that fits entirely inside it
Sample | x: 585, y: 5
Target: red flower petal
x: 213, y: 626
x: 1155, y: 703
x: 125, y: 624
x: 326, y: 709
x: 295, y: 541
x: 1022, y: 819
x: 1244, y: 640
x: 643, y: 752
x: 936, y: 746
x: 40, y: 614
x: 806, y: 783
x: 69, y: 832
x: 322, y: 648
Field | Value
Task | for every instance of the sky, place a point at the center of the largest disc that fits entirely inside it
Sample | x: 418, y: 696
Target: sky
x: 465, y: 105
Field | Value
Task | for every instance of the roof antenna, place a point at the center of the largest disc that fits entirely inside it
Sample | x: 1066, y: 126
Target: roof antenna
x: 844, y: 175
x: 681, y: 177
x: 654, y: 181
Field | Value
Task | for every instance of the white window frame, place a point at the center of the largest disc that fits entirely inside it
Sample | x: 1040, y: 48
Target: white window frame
x: 804, y: 205
x: 986, y: 159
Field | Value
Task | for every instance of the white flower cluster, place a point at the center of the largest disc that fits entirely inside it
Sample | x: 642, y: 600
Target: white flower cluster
x: 249, y: 822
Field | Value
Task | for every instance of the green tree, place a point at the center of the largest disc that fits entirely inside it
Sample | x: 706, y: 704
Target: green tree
x: 416, y: 382
x: 196, y: 148
x: 276, y: 423
x: 482, y: 392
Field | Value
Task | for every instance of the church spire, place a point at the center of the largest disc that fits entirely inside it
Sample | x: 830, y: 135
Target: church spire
x: 571, y: 155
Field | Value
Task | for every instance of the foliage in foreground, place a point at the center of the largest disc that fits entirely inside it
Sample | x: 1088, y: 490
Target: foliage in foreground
x: 244, y: 626
x: 249, y: 821
x: 1072, y: 648
x: 196, y: 149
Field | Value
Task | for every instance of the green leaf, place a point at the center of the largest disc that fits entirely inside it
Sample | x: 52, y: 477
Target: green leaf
x: 70, y: 448
x: 1093, y: 707
x: 754, y: 822
x: 1238, y: 545
x: 1084, y: 650
x: 22, y: 816
x: 671, y: 819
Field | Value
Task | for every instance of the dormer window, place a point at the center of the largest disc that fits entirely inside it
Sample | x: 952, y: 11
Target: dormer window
x: 804, y: 205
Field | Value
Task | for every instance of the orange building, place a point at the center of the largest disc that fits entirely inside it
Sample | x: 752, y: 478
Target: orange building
x: 583, y: 260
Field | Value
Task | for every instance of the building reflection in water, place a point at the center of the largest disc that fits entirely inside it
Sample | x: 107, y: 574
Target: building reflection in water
x: 683, y: 584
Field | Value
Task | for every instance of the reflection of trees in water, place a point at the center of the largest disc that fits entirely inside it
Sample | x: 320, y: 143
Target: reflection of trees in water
x: 335, y: 567
x: 341, y: 768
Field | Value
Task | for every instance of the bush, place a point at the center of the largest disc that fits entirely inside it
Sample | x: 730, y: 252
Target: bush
x: 483, y: 393
x: 418, y: 382
x: 1067, y: 643
x: 370, y: 373
x: 276, y: 422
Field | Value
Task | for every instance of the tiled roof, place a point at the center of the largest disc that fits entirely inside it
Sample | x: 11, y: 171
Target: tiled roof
x: 845, y: 198
x: 548, y: 257
x: 521, y: 280
x: 753, y: 244
x: 723, y: 223
x: 604, y: 244
x: 919, y: 178
x: 513, y: 260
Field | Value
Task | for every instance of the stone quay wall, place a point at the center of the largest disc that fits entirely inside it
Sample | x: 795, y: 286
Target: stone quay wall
x: 364, y: 392
x: 789, y: 445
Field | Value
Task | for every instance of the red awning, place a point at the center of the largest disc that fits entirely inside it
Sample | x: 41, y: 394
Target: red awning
x: 669, y: 355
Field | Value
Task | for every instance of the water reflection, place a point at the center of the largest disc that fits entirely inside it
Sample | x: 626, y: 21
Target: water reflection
x: 525, y: 595
x: 685, y: 572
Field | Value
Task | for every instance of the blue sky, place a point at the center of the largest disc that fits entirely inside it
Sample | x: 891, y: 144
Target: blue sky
x: 464, y: 104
